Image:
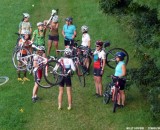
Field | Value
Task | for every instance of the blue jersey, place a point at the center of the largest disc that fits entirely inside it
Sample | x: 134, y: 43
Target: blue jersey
x: 118, y: 70
x: 69, y: 31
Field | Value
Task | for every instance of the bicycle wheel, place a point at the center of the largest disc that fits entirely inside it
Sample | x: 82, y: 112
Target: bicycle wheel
x: 80, y: 74
x: 107, y: 95
x: 115, y: 99
x: 85, y: 67
x: 39, y: 77
x: 19, y: 60
x: 3, y: 80
x: 53, y: 77
x: 110, y: 57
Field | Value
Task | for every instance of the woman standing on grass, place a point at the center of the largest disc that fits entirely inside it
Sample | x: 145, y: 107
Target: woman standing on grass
x: 25, y: 25
x: 120, y: 71
x: 69, y: 32
x: 53, y: 34
x: 98, y: 65
x: 68, y: 64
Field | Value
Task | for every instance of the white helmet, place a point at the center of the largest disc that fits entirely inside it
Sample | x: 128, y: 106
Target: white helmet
x: 84, y: 28
x: 40, y: 24
x: 67, y: 52
x: 55, y: 18
x: 54, y: 12
x: 41, y: 48
x: 26, y: 32
x: 26, y: 15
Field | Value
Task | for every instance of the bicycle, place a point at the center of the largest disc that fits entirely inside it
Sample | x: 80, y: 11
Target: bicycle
x: 3, y: 80
x: 112, y: 91
x: 110, y: 55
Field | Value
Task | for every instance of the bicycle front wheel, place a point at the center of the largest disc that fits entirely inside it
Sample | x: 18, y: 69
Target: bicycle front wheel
x: 39, y: 77
x: 19, y: 60
x: 80, y: 74
x: 53, y: 72
x: 110, y: 57
x: 3, y: 80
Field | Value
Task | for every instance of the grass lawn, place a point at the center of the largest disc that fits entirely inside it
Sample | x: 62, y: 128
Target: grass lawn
x: 89, y: 113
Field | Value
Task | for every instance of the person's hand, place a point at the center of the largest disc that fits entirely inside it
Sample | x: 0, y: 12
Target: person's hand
x: 102, y: 71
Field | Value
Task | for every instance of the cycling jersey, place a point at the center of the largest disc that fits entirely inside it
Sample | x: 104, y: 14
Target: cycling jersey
x: 69, y: 31
x: 118, y: 69
x: 39, y: 37
x: 99, y: 56
x: 26, y: 44
x: 85, y: 39
x: 23, y: 26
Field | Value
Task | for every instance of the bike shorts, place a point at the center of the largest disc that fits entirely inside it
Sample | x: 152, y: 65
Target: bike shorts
x: 68, y: 42
x: 97, y: 72
x: 53, y: 38
x: 66, y: 81
x: 122, y: 83
x: 38, y: 75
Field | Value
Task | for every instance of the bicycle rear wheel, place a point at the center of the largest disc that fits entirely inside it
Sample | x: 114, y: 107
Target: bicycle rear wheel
x: 110, y: 57
x: 115, y: 99
x: 3, y: 80
x: 53, y: 77
x: 80, y: 74
x: 39, y: 77
x: 107, y: 95
x: 19, y: 61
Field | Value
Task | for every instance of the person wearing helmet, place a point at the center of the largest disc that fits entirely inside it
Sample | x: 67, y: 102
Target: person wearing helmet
x: 86, y: 40
x: 53, y: 37
x: 26, y: 43
x: 120, y: 71
x: 69, y: 32
x: 25, y: 24
x: 68, y: 65
x: 98, y: 65
x: 38, y: 37
x: 37, y: 59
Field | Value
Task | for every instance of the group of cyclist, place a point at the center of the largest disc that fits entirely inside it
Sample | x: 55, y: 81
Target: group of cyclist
x: 69, y: 33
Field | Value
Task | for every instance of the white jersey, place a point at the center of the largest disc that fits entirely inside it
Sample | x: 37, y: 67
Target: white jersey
x: 67, y: 63
x: 85, y: 39
x: 101, y: 54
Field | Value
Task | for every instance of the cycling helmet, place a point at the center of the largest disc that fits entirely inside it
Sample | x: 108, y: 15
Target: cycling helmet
x: 67, y: 52
x: 121, y: 55
x: 40, y: 24
x: 69, y: 19
x: 100, y: 43
x: 55, y: 18
x: 40, y: 48
x: 26, y: 15
x: 26, y: 32
x: 84, y: 28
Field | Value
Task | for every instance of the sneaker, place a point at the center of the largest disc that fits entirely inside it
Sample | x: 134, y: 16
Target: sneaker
x: 69, y: 108
x: 59, y: 108
x: 122, y: 106
x: 96, y: 94
x: 118, y: 105
x: 26, y: 79
x: 34, y: 100
x: 20, y: 79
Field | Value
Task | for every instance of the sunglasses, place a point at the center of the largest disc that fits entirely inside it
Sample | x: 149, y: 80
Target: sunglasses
x: 97, y: 46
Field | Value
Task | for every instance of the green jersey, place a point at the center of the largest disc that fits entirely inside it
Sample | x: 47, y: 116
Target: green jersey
x: 39, y: 37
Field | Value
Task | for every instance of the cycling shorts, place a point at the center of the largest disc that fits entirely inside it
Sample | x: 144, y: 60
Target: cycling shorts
x: 53, y: 38
x: 38, y: 75
x: 122, y: 83
x: 97, y: 72
x: 68, y: 42
x: 66, y: 81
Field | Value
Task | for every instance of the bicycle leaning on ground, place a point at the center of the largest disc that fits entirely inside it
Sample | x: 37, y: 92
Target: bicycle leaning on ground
x: 112, y: 91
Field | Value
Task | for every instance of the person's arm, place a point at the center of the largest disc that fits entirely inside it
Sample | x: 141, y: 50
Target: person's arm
x: 74, y: 34
x: 123, y: 71
x: 20, y: 27
x: 63, y: 33
x: 103, y: 64
x: 33, y: 36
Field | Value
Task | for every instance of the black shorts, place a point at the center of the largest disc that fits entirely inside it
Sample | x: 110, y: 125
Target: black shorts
x: 121, y: 83
x: 66, y: 81
x: 53, y: 38
x: 68, y: 42
x: 97, y: 72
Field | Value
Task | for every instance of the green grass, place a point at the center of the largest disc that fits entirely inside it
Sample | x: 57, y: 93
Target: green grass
x: 89, y: 113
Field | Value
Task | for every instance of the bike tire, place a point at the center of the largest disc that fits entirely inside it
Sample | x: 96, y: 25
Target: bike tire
x: 16, y: 59
x: 80, y: 74
x: 115, y: 100
x: 53, y: 78
x: 39, y: 77
x: 110, y: 57
x: 3, y: 80
x: 106, y: 98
